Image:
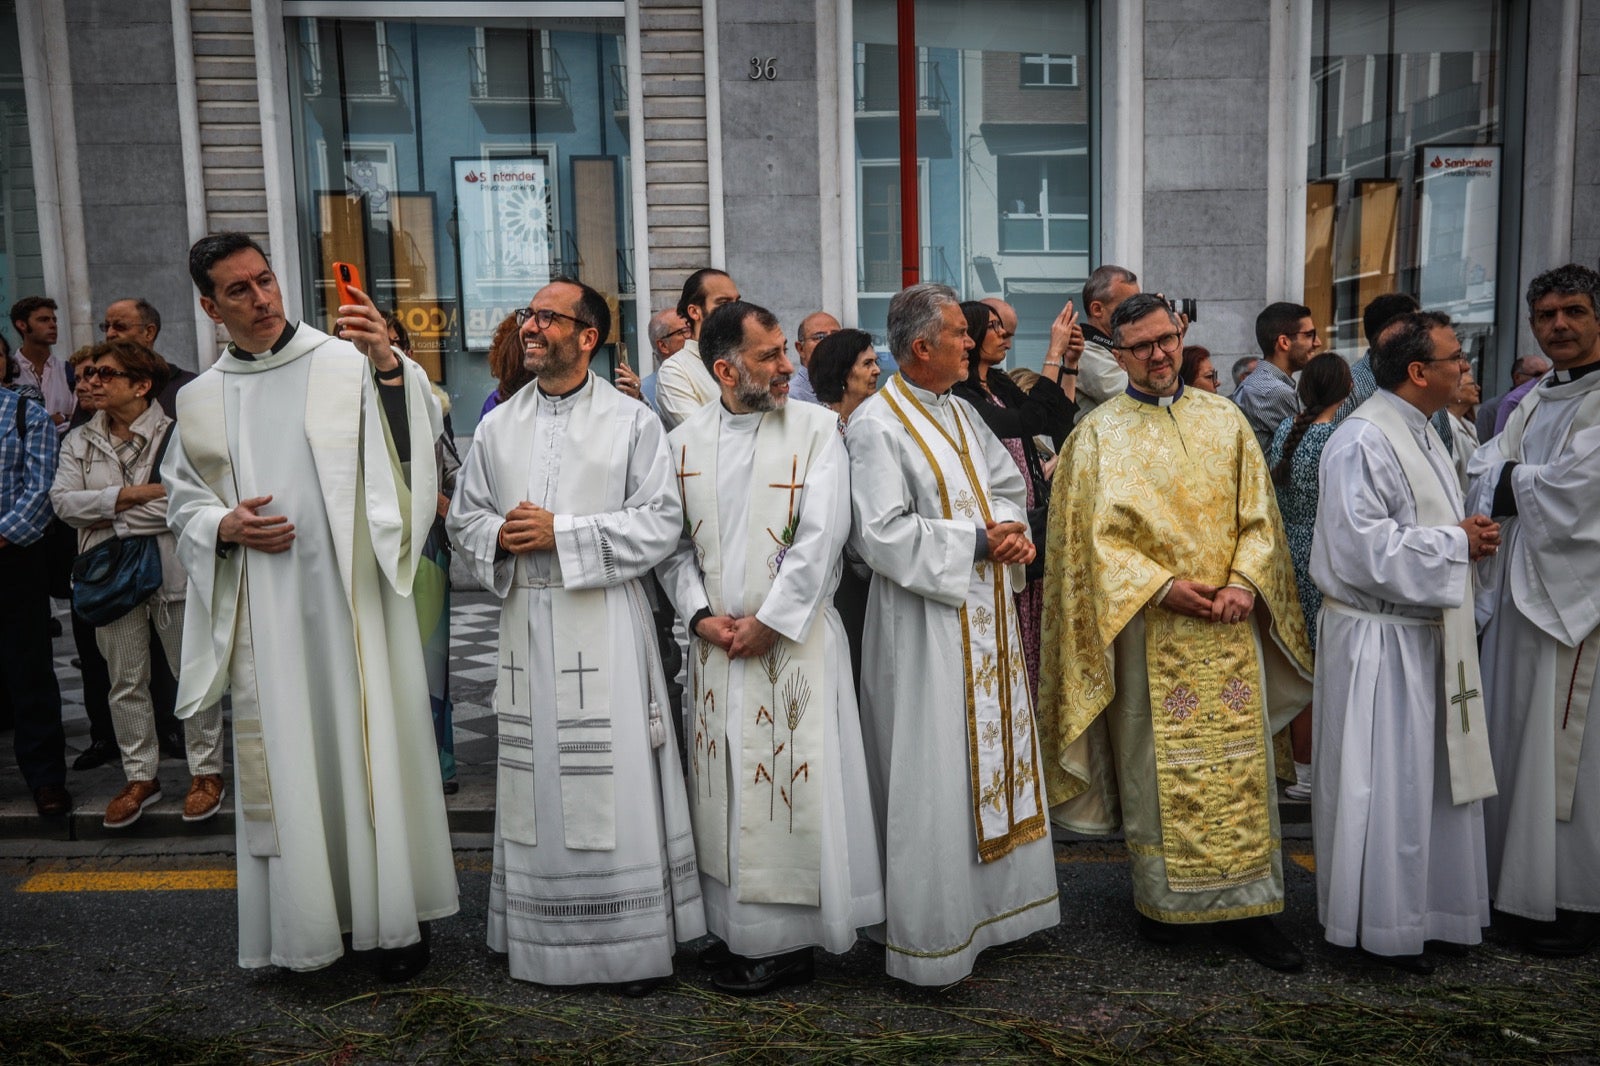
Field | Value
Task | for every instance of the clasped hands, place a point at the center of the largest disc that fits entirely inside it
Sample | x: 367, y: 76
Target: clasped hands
x: 1483, y: 536
x: 741, y: 638
x: 1207, y: 602
x: 527, y: 528
x: 1009, y: 543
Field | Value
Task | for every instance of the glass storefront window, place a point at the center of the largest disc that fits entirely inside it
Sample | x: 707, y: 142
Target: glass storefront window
x: 1405, y: 168
x: 460, y: 164
x: 21, y: 261
x: 1002, y: 116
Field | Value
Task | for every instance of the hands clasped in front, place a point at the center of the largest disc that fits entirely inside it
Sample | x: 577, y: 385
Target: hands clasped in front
x: 1009, y: 543
x: 1483, y: 536
x: 741, y: 638
x: 528, y: 528
x: 1209, y: 603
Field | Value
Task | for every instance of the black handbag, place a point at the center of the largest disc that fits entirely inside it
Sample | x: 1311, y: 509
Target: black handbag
x: 120, y: 573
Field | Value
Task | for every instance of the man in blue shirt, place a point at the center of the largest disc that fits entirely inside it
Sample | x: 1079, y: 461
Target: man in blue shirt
x: 27, y: 680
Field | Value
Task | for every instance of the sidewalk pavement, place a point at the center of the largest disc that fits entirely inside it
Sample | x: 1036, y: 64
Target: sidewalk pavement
x: 474, y: 629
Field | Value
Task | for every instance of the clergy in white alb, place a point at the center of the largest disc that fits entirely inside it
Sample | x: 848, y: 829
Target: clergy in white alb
x: 778, y: 778
x: 1400, y: 757
x: 683, y: 386
x: 947, y: 719
x: 564, y: 503
x: 1540, y: 478
x: 1174, y: 646
x: 300, y: 520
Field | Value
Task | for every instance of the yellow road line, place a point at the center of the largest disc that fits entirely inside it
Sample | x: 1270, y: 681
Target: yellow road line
x: 131, y: 881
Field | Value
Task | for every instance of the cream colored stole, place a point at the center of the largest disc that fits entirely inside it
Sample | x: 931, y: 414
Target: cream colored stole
x: 581, y: 649
x: 780, y: 765
x: 1575, y: 666
x: 1466, y: 734
x: 1008, y: 808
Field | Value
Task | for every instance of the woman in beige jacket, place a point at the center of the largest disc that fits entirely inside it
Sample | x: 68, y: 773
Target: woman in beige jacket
x: 102, y: 488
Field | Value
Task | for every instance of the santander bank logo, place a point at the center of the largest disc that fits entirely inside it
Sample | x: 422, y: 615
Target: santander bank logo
x: 1443, y: 163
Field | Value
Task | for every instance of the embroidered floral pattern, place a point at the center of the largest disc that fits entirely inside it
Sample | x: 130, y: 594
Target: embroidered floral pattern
x: 1235, y: 695
x: 1181, y: 702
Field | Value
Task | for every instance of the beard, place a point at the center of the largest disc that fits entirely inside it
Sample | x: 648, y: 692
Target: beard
x: 751, y: 394
x: 557, y: 359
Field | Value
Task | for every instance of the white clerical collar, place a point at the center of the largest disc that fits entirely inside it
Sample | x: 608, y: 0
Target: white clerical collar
x: 739, y: 419
x: 1567, y: 377
x: 938, y: 399
x: 557, y: 401
x: 1156, y: 401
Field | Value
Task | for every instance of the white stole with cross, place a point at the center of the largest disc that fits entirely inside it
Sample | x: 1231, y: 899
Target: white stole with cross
x: 588, y: 483
x: 1007, y: 797
x: 780, y: 765
x: 1575, y: 663
x: 1439, y: 504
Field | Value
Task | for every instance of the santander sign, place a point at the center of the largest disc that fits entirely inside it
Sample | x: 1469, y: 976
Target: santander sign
x: 1443, y: 163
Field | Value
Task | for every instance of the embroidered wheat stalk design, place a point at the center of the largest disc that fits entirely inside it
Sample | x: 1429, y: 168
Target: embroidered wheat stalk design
x: 774, y: 663
x: 796, y: 700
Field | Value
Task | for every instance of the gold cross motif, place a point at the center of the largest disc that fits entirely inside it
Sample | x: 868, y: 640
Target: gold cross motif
x: 1463, y: 694
x: 794, y: 484
x: 683, y: 474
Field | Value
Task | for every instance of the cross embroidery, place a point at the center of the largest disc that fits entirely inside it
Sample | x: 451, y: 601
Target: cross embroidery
x: 684, y: 475
x: 580, y: 670
x: 794, y: 484
x: 1463, y: 694
x: 515, y: 670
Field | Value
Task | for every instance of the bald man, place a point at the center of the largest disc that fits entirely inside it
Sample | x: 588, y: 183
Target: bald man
x: 813, y: 328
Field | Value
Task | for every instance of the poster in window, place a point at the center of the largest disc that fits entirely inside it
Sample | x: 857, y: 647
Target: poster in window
x: 1458, y: 245
x: 503, y: 220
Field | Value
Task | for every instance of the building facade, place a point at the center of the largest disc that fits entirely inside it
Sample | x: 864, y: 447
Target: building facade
x: 459, y: 154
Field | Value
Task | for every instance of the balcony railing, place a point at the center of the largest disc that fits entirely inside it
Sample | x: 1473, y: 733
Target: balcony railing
x: 880, y: 96
x: 546, y: 83
x: 1453, y: 110
x: 883, y: 275
x: 619, y: 90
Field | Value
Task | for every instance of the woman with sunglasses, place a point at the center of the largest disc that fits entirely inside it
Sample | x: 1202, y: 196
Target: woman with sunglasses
x: 103, y: 488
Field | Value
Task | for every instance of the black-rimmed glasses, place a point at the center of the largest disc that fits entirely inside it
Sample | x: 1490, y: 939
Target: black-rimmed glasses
x: 1167, y: 342
x: 544, y: 317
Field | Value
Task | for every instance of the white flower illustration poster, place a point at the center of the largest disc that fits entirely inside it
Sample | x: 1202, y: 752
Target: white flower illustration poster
x: 503, y: 218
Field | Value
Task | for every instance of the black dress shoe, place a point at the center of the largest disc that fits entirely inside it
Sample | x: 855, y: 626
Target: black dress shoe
x: 1417, y: 964
x: 716, y: 957
x: 96, y: 754
x: 451, y: 787
x: 55, y: 627
x: 1163, y: 933
x: 52, y: 801
x: 1260, y: 939
x: 752, y: 977
x: 402, y: 964
x: 1573, y: 933
x: 639, y: 989
x: 1448, y: 948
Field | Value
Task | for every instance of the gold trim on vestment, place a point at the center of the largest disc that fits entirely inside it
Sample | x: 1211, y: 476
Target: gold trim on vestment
x: 965, y: 944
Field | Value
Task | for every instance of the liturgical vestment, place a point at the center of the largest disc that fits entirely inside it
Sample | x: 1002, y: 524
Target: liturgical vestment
x: 594, y: 876
x: 947, y: 719
x: 1540, y: 594
x: 319, y: 644
x: 1150, y: 719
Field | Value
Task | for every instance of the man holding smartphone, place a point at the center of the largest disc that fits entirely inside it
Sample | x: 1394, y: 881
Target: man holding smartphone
x: 300, y: 519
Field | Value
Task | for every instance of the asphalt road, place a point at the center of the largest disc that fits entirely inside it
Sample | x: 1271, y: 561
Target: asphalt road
x: 130, y: 959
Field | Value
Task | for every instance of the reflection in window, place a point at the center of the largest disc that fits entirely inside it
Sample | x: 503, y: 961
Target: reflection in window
x: 1003, y: 169
x: 1404, y: 168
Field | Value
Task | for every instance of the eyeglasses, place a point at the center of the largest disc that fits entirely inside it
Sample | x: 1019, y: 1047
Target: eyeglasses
x: 1000, y: 331
x: 1212, y: 376
x: 120, y: 327
x: 103, y: 373
x: 819, y: 335
x: 1167, y: 342
x: 544, y: 317
x: 1312, y: 332
x: 685, y: 330
x: 1458, y: 358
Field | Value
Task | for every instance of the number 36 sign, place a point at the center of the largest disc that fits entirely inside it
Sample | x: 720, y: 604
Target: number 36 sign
x: 763, y: 69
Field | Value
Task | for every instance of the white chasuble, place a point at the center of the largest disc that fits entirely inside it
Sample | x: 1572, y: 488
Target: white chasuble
x: 1008, y: 804
x: 1438, y: 503
x: 579, y: 653
x: 779, y: 769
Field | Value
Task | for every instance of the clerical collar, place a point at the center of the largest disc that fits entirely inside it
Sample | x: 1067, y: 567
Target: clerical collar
x: 561, y: 396
x: 925, y: 395
x: 1563, y: 377
x: 1156, y: 401
x: 282, y: 342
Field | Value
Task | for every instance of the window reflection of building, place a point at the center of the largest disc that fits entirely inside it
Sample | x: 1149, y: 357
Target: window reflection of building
x: 1395, y: 89
x: 1002, y: 118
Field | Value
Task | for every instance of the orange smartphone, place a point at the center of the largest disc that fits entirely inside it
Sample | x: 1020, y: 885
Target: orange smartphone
x: 345, y: 278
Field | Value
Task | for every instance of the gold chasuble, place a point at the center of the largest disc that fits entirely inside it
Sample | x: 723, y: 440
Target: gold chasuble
x: 779, y: 771
x: 1146, y: 492
x: 1008, y: 804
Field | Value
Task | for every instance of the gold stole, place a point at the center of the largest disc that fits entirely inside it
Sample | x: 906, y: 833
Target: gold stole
x: 1008, y: 807
x: 581, y: 645
x: 1466, y: 733
x: 780, y: 767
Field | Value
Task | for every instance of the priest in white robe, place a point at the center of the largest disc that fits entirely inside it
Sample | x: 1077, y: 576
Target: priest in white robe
x: 300, y: 517
x: 778, y: 783
x: 1401, y: 753
x: 683, y: 386
x: 1541, y: 645
x: 952, y: 749
x: 563, y: 504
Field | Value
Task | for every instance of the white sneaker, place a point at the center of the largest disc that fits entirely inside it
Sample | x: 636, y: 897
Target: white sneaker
x: 1300, y: 791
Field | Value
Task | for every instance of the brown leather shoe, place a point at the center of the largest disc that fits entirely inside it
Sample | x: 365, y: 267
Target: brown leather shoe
x: 128, y: 804
x: 205, y: 797
x: 52, y: 801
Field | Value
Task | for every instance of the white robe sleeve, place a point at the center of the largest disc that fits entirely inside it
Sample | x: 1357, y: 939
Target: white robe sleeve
x: 676, y: 398
x: 473, y: 520
x: 606, y: 549
x: 931, y: 557
x: 1560, y: 538
x: 803, y: 583
x: 1366, y: 548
